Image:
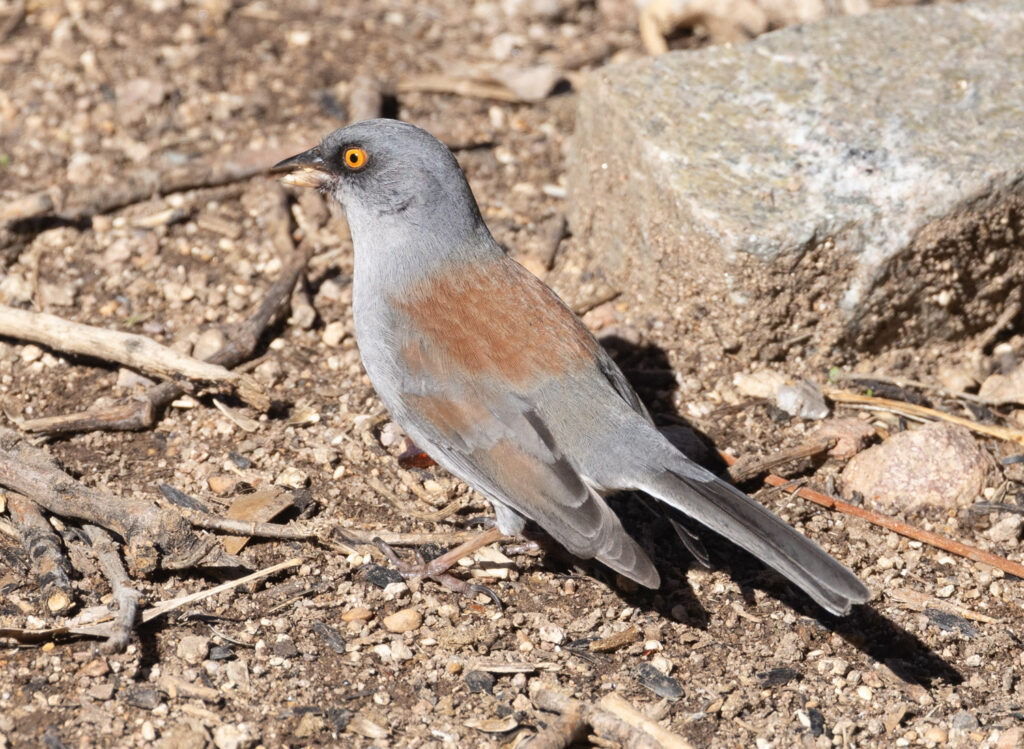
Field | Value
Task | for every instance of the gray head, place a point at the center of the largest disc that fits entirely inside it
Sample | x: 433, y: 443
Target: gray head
x: 393, y: 179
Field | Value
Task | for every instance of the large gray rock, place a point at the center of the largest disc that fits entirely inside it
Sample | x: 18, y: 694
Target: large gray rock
x: 856, y: 181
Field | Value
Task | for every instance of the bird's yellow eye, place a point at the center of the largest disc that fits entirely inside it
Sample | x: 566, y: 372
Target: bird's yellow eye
x: 354, y: 158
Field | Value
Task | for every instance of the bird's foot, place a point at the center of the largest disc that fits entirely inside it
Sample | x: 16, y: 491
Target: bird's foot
x: 414, y: 457
x: 437, y: 569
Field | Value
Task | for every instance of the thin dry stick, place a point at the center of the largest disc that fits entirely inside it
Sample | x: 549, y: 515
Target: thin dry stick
x: 910, y: 409
x: 45, y: 551
x: 134, y: 187
x: 569, y: 727
x: 920, y: 601
x: 905, y: 382
x: 9, y: 530
x: 129, y: 349
x: 15, y: 15
x: 155, y: 537
x: 754, y: 465
x: 126, y: 596
x: 248, y: 527
x: 405, y: 539
x: 440, y: 83
x: 277, y: 219
x: 449, y: 509
x: 1005, y: 318
x: 92, y: 623
x: 141, y: 413
x: 164, y: 607
x: 884, y: 521
x: 29, y: 206
x: 649, y: 26
x: 628, y: 714
x: 612, y: 718
x: 292, y: 533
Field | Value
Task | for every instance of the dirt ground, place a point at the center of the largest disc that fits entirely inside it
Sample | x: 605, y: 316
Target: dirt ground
x: 732, y: 656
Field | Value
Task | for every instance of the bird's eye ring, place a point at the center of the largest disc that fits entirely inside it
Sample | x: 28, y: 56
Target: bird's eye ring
x: 354, y: 158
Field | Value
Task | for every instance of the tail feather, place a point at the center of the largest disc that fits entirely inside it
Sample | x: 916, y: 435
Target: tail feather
x: 731, y: 513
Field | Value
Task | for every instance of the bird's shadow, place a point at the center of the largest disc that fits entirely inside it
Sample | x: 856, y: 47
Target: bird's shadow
x: 648, y: 369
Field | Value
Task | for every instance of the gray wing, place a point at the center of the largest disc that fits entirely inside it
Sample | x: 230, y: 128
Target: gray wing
x: 620, y: 384
x: 497, y: 443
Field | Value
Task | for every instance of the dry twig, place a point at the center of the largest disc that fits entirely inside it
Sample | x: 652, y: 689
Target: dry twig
x: 896, y: 526
x: 131, y: 350
x: 612, y: 718
x: 155, y: 537
x: 95, y: 622
x: 988, y: 337
x: 754, y: 465
x: 26, y: 207
x: 350, y: 536
x: 164, y: 607
x: 143, y: 184
x: 903, y: 382
x: 449, y: 509
x: 125, y: 595
x: 44, y: 550
x: 141, y: 413
x: 441, y: 83
x: 15, y: 16
x: 920, y: 601
x: 921, y: 412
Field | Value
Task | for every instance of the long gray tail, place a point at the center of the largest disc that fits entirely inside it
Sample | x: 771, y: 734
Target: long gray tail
x: 731, y: 513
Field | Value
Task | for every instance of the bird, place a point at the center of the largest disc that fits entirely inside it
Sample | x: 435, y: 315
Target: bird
x: 490, y: 372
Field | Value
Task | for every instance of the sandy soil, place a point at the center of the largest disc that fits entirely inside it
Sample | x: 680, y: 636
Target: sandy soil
x: 90, y: 91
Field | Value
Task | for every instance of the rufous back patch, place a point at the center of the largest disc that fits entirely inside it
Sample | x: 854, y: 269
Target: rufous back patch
x: 453, y: 418
x: 493, y: 319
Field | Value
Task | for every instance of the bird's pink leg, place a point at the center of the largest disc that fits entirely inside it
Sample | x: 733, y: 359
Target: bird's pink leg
x: 437, y: 569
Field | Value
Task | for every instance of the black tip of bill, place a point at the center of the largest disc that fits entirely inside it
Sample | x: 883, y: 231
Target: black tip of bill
x: 308, y: 169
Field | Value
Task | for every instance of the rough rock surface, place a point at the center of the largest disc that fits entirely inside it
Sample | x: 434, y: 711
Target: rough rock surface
x: 939, y: 465
x: 858, y: 180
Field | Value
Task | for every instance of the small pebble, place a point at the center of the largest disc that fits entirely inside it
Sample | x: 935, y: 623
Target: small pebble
x: 405, y: 620
x: 936, y: 735
x: 101, y: 692
x: 220, y: 484
x: 380, y: 576
x: 358, y: 614
x: 233, y: 737
x: 239, y: 460
x: 334, y: 333
x: 284, y: 647
x: 400, y: 651
x: 479, y: 681
x: 237, y: 673
x: 662, y: 685
x: 292, y: 478
x: 193, y: 649
x: 662, y: 663
x: 142, y: 697
x: 310, y: 725
x: 331, y: 636
x: 210, y: 341
x: 221, y: 653
x: 551, y: 633
x: 95, y: 668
